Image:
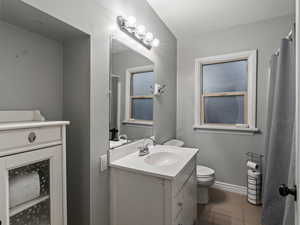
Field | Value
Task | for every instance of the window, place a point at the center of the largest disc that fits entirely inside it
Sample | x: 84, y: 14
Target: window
x: 226, y: 92
x: 139, y: 95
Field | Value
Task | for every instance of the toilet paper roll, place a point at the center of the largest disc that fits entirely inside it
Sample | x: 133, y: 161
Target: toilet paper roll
x: 254, y: 197
x: 254, y: 182
x: 254, y: 201
x: 253, y: 192
x: 23, y: 188
x: 254, y: 174
x: 252, y: 165
x: 254, y: 186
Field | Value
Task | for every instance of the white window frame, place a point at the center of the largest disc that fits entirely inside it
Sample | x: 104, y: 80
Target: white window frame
x: 251, y: 57
x: 129, y: 72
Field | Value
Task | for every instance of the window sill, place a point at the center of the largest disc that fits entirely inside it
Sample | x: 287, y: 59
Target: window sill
x: 138, y: 123
x: 227, y: 129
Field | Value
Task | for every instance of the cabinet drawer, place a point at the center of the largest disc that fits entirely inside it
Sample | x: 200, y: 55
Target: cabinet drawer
x: 183, y: 176
x: 30, y: 138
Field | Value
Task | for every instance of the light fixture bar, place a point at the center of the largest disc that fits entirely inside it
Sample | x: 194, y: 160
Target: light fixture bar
x: 137, y: 33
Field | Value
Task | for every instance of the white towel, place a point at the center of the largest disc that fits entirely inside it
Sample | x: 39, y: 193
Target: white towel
x: 23, y: 188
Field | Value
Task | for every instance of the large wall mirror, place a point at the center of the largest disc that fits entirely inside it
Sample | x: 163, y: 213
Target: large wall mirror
x: 132, y: 78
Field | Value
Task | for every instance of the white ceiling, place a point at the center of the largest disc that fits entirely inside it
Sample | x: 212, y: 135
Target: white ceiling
x: 187, y: 18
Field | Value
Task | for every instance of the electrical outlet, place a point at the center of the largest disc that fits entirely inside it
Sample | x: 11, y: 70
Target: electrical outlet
x: 103, y: 163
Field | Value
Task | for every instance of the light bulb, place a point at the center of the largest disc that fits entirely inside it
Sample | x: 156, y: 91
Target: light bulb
x: 113, y: 28
x: 149, y: 37
x: 131, y: 21
x: 155, y: 42
x: 141, y: 30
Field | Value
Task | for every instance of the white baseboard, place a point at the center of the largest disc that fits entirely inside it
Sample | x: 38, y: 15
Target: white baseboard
x: 230, y: 187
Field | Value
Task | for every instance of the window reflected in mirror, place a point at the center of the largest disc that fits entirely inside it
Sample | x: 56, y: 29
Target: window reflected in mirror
x: 132, y: 79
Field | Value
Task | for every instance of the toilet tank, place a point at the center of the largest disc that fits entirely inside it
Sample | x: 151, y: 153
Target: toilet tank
x: 175, y: 142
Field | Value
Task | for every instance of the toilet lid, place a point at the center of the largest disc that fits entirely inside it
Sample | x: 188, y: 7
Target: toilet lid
x: 175, y: 142
x: 203, y: 171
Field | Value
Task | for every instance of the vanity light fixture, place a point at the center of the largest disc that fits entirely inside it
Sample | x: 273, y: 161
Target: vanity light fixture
x: 155, y: 42
x: 138, y: 33
x: 131, y: 23
x: 149, y: 37
x: 141, y: 31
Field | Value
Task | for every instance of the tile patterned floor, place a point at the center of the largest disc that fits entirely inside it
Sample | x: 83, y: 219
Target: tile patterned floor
x: 227, y: 208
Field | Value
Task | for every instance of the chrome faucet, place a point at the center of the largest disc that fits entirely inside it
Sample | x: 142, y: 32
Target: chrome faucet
x: 144, y: 150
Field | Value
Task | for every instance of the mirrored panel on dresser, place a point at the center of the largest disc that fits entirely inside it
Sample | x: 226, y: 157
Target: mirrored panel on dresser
x: 132, y: 78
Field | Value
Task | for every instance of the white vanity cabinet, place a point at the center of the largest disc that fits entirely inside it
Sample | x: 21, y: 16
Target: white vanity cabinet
x: 32, y: 173
x: 146, y: 199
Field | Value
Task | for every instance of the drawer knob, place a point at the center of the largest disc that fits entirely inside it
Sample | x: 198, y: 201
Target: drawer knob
x: 31, y: 137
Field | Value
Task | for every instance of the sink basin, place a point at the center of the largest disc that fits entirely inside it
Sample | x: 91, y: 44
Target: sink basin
x: 162, y: 159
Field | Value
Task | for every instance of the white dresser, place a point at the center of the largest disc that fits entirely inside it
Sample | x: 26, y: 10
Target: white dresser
x: 32, y: 169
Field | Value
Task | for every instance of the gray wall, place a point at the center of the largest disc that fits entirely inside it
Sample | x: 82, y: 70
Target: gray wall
x: 31, y: 72
x: 54, y: 77
x: 76, y: 109
x: 120, y: 63
x: 95, y: 17
x: 226, y: 152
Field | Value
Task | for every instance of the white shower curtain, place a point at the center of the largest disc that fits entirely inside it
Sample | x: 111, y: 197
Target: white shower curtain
x: 279, y: 138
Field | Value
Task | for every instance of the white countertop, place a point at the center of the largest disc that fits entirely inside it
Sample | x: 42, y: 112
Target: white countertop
x: 135, y: 163
x: 30, y: 124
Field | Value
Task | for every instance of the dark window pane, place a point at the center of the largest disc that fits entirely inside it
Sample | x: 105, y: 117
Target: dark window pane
x: 225, y: 109
x: 225, y: 77
x: 142, y: 109
x: 142, y: 84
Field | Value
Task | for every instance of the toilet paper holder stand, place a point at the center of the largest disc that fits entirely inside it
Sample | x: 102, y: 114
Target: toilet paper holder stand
x: 254, y: 179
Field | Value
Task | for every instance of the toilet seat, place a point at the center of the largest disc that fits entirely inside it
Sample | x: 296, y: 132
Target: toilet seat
x: 204, y: 172
x: 205, y: 176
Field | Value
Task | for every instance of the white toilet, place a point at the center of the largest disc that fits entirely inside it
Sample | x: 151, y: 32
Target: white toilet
x: 205, y: 175
x: 205, y: 179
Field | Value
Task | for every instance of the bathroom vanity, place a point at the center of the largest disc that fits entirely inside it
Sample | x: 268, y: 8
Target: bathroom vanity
x: 32, y: 169
x: 159, y: 188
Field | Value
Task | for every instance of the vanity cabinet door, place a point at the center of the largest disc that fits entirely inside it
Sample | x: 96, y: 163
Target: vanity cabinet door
x: 31, y: 187
x: 190, y: 200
